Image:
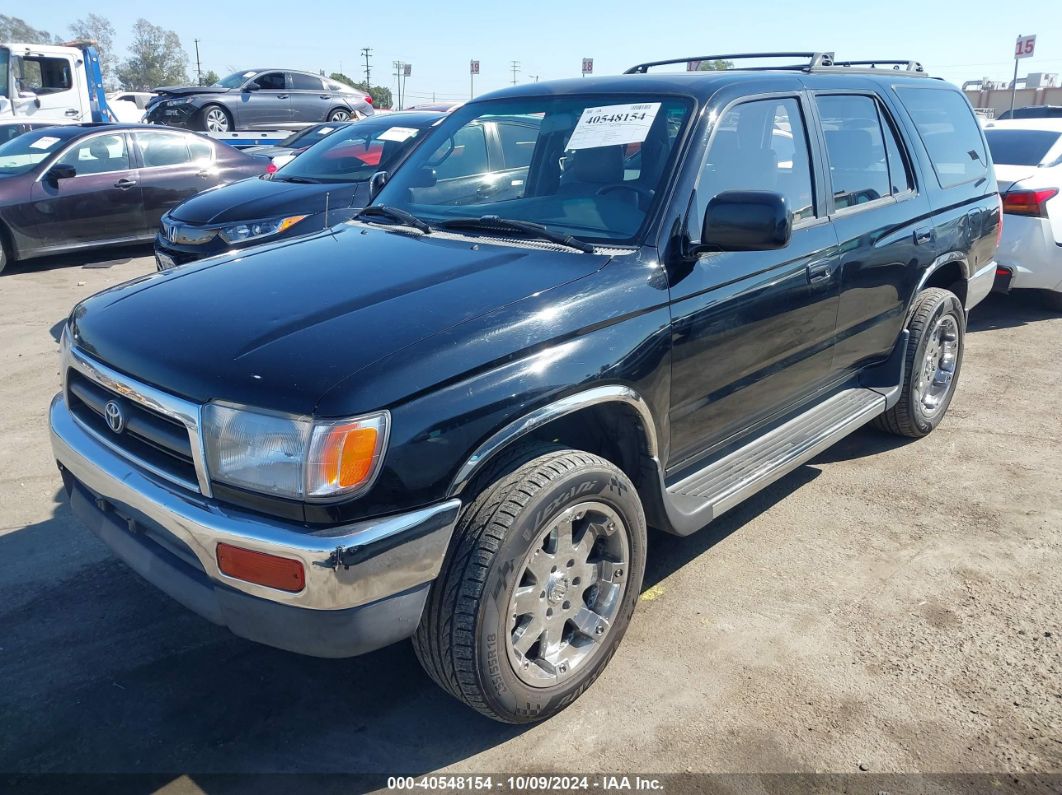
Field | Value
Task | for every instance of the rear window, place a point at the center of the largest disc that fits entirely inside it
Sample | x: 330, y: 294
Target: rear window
x: 949, y: 129
x: 1020, y: 147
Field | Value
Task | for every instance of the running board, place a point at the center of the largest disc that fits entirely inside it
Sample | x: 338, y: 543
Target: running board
x: 699, y: 498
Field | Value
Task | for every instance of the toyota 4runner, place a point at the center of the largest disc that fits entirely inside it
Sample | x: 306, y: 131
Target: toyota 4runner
x: 453, y: 417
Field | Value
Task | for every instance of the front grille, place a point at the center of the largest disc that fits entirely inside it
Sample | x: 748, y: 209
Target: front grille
x: 158, y: 442
x: 186, y: 235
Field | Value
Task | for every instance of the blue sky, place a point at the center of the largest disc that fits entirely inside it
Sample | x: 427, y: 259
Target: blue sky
x: 956, y: 40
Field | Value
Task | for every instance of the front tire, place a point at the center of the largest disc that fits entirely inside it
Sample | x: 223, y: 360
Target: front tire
x: 215, y: 119
x: 934, y: 357
x: 538, y: 587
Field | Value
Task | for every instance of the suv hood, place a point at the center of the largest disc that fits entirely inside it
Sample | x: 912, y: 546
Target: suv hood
x: 180, y: 91
x: 256, y: 199
x: 278, y: 326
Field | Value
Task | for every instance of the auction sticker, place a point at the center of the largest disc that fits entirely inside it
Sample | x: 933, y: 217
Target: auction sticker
x: 397, y: 134
x: 613, y: 124
x: 44, y: 142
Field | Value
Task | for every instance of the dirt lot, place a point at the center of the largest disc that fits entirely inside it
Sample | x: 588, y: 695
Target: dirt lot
x: 890, y: 607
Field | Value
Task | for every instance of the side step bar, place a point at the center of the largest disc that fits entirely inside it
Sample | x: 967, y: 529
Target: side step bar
x: 699, y: 498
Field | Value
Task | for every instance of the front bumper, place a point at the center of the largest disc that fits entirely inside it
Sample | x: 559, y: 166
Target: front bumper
x: 365, y: 583
x: 172, y: 115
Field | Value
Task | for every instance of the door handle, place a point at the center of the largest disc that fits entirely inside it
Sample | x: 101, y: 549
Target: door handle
x: 324, y: 96
x: 71, y: 112
x: 125, y: 184
x: 923, y: 236
x: 820, y: 271
x: 282, y: 96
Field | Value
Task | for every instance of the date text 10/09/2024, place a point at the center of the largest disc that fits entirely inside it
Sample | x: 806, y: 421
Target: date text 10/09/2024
x: 524, y: 783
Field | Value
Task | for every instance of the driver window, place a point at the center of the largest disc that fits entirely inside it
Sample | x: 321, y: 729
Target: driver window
x: 760, y: 145
x: 271, y: 81
x: 97, y: 155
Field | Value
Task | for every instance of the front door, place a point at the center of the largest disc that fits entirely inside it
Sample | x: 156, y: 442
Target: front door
x: 102, y: 203
x: 752, y: 331
x: 47, y: 87
x: 265, y: 102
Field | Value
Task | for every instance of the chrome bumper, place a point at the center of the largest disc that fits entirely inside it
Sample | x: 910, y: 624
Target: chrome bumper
x: 345, y: 567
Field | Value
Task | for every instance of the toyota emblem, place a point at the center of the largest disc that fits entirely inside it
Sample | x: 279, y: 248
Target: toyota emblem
x: 112, y: 412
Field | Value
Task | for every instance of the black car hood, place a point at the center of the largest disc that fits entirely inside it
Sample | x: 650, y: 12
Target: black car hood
x: 257, y: 199
x: 180, y: 91
x: 280, y: 325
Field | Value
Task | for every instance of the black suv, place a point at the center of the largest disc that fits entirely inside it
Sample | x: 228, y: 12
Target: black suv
x: 453, y: 417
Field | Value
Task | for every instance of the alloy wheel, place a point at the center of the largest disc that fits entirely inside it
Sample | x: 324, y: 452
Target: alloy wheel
x: 937, y: 373
x: 216, y: 120
x: 568, y: 594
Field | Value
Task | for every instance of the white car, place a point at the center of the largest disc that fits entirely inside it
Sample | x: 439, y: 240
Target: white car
x: 1028, y: 159
x: 129, y: 106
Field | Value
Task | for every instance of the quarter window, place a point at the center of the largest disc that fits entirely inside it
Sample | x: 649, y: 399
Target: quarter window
x: 948, y: 128
x: 759, y: 145
x: 98, y: 155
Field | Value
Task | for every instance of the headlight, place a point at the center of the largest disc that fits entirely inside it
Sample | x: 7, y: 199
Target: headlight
x: 294, y: 457
x: 255, y: 229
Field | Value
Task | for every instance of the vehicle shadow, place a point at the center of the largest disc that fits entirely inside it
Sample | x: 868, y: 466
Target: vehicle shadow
x: 88, y: 258
x: 999, y: 311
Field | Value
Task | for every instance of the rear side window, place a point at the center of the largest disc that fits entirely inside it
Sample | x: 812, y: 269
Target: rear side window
x: 1020, y: 147
x: 301, y: 82
x: 468, y: 156
x: 517, y: 143
x: 949, y: 129
x: 163, y: 149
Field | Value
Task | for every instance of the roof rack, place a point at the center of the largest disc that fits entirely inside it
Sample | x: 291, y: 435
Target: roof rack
x: 815, y: 62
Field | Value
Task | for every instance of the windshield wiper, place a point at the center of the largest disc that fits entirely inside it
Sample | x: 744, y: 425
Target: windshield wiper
x: 492, y: 223
x: 395, y: 214
x: 302, y: 180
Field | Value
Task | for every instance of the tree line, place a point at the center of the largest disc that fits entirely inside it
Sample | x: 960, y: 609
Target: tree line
x: 155, y: 56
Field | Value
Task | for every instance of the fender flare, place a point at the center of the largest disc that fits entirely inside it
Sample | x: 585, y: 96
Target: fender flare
x: 521, y: 426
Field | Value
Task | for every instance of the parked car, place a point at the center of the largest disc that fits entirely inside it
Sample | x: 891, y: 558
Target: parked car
x: 86, y: 185
x: 300, y: 141
x: 453, y: 417
x: 12, y: 128
x: 1028, y: 157
x: 257, y: 99
x: 331, y: 175
x: 1032, y: 112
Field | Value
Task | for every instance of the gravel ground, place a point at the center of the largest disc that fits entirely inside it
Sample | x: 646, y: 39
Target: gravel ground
x: 892, y: 607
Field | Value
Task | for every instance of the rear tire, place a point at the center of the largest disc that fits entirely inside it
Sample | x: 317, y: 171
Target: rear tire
x: 5, y: 258
x: 339, y: 114
x: 1052, y: 299
x: 215, y: 119
x: 934, y: 357
x: 537, y: 589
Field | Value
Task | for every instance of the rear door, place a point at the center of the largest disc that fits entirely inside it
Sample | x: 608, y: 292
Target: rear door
x: 752, y: 331
x: 881, y: 219
x: 268, y: 105
x: 174, y: 167
x: 102, y: 203
x: 511, y: 146
x: 309, y: 100
x: 462, y: 168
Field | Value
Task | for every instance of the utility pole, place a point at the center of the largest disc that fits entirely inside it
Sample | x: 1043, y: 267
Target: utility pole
x: 534, y: 77
x: 515, y: 67
x: 198, y: 68
x: 366, y: 52
x: 398, y: 77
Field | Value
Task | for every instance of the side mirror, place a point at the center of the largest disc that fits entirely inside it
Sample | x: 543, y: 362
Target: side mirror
x: 376, y: 183
x: 60, y: 171
x: 745, y: 220
x: 252, y: 86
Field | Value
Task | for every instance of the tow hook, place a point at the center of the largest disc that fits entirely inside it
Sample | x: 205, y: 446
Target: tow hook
x: 343, y: 556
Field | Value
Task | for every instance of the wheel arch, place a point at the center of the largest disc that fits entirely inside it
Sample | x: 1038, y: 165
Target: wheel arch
x: 612, y: 421
x: 950, y: 271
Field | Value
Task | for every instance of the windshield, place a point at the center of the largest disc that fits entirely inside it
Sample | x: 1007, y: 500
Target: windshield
x: 235, y: 80
x: 1020, y: 147
x: 5, y: 62
x: 353, y: 153
x: 586, y: 166
x: 21, y: 154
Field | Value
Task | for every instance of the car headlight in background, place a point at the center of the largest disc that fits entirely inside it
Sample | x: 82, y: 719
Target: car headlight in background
x: 251, y: 230
x: 179, y: 101
x: 293, y: 457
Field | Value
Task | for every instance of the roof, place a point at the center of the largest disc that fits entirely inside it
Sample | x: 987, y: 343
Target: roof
x: 701, y: 84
